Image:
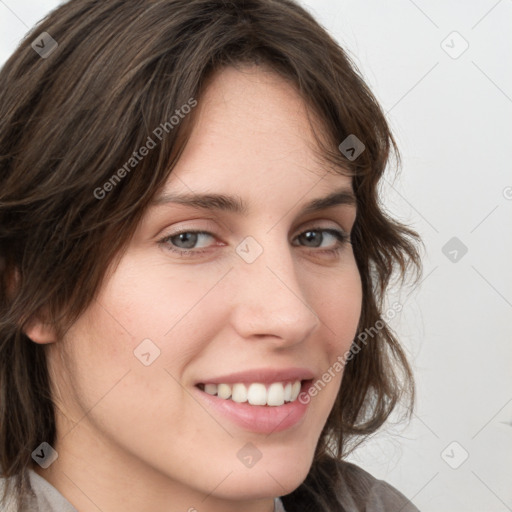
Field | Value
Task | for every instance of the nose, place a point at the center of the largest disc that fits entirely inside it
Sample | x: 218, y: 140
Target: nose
x: 269, y: 299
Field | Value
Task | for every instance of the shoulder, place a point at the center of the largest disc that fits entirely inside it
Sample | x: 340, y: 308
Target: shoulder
x: 369, y: 493
x: 36, y: 494
x: 9, y: 501
x: 343, y: 486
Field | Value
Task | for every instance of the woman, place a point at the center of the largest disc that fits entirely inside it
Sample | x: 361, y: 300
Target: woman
x: 194, y: 260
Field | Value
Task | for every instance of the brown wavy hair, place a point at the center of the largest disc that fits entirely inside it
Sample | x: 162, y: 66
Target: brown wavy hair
x: 70, y: 120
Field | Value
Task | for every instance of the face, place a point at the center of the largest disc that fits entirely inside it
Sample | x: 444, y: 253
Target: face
x: 210, y: 301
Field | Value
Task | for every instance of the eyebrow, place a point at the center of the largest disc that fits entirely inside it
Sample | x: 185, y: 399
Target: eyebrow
x: 235, y: 204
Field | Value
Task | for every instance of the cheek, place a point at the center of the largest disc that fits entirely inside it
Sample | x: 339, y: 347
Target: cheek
x: 145, y: 313
x: 338, y: 302
x: 151, y: 299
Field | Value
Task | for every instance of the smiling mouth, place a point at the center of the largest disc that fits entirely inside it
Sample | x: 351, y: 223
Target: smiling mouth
x: 256, y: 393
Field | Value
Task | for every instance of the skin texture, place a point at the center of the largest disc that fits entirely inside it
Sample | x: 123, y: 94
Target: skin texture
x: 132, y: 437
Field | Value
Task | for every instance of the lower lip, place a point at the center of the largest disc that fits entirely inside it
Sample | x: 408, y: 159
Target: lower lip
x: 262, y: 419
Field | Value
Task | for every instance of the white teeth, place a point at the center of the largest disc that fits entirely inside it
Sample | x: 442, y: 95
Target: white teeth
x: 275, y: 394
x: 211, y: 389
x: 239, y: 393
x: 257, y: 393
x: 288, y: 392
x: 295, y: 390
x: 224, y: 391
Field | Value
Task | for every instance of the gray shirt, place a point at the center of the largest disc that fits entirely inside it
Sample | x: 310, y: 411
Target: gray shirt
x: 41, y: 496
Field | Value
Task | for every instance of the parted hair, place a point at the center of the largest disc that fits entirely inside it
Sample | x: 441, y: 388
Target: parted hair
x: 72, y: 118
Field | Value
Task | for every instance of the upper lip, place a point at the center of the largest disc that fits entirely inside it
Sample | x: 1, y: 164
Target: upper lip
x: 263, y: 375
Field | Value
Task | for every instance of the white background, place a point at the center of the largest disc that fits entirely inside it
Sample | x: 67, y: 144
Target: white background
x: 452, y: 118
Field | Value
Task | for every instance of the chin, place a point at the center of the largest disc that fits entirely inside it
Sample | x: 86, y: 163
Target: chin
x: 276, y: 476
x: 261, y: 485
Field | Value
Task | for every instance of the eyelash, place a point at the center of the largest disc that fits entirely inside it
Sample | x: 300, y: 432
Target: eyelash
x: 342, y: 240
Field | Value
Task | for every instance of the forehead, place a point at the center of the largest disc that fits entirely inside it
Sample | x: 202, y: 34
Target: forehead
x: 252, y: 130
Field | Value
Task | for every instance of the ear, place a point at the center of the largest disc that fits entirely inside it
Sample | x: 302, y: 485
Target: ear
x: 40, y: 332
x: 37, y: 330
